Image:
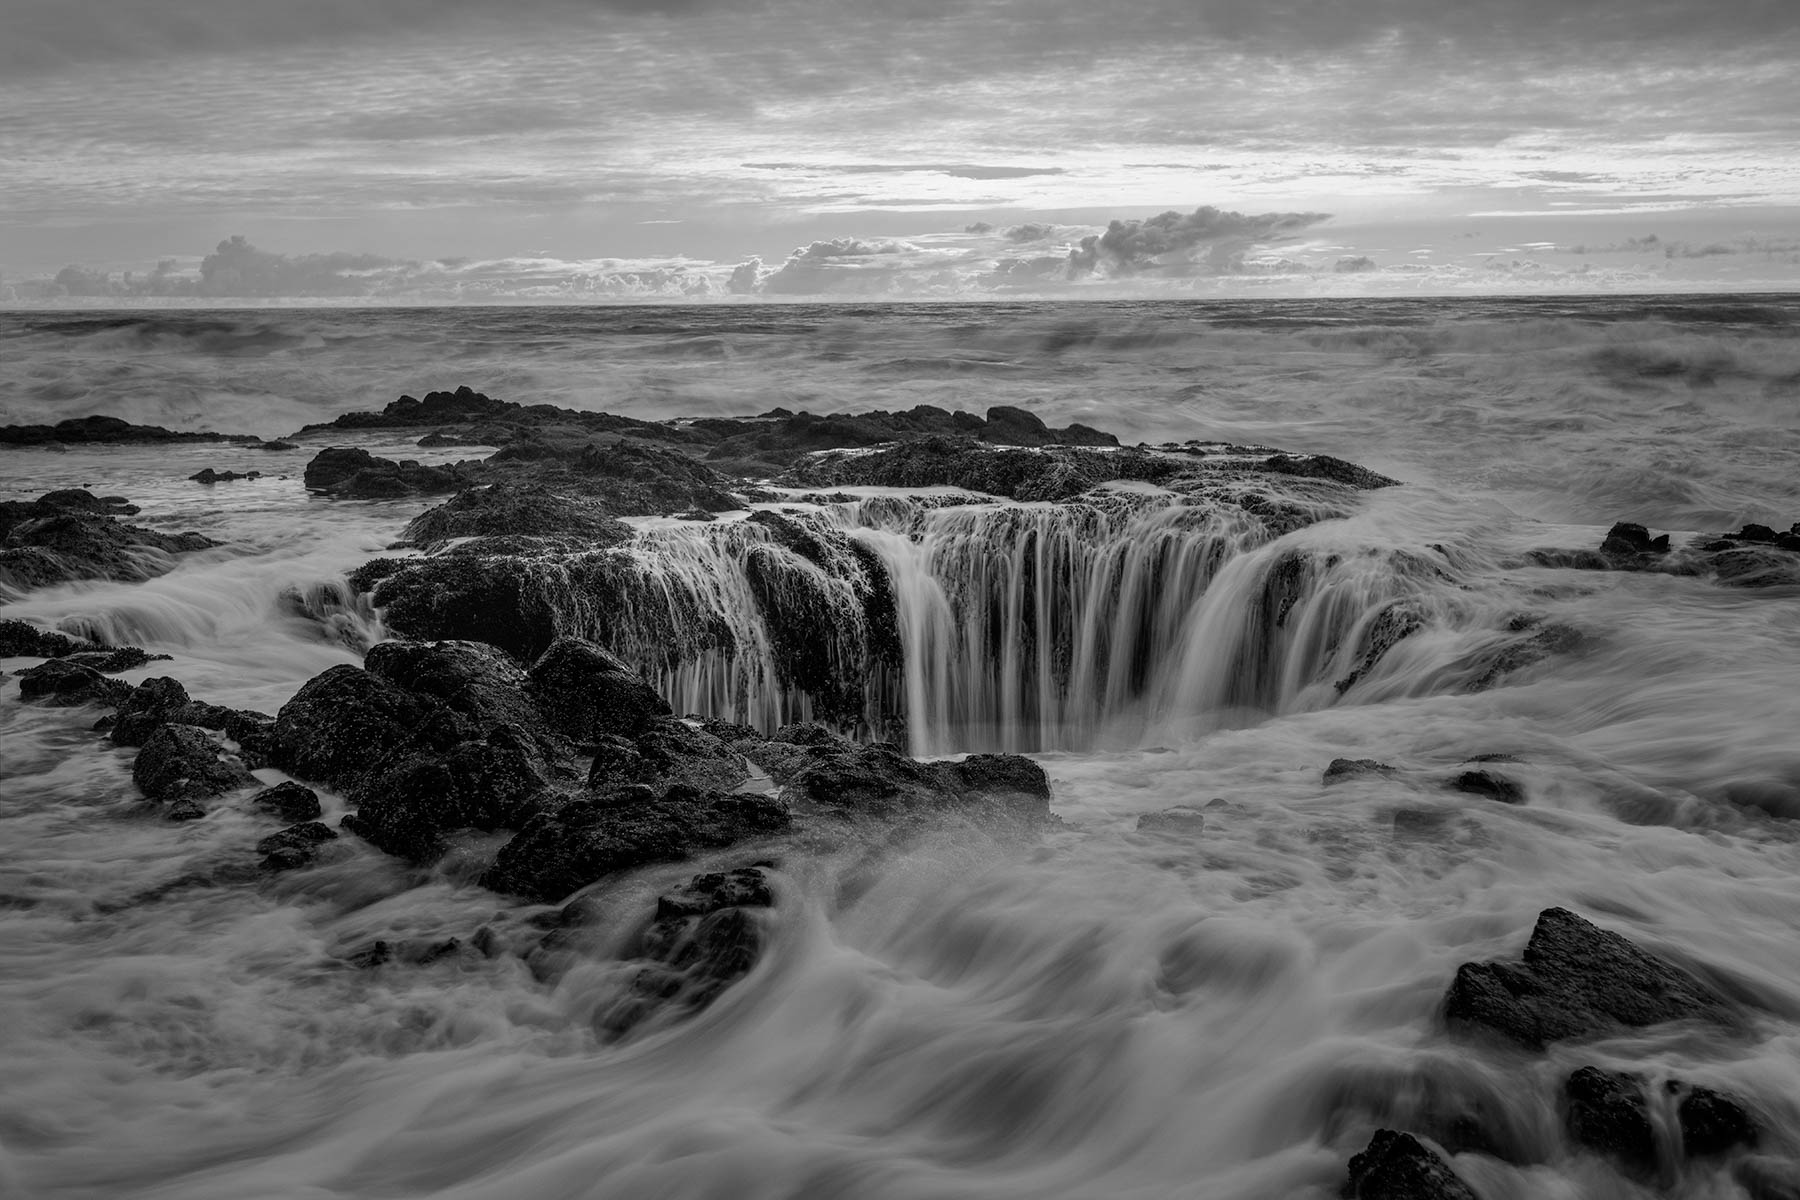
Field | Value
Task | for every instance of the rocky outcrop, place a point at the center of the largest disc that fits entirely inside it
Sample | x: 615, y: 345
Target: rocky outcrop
x: 19, y: 639
x: 508, y: 510
x: 1755, y: 556
x: 1397, y: 1166
x: 294, y: 847
x: 1577, y: 981
x: 1609, y: 1113
x: 62, y: 683
x: 355, y: 474
x: 105, y: 430
x: 880, y: 782
x: 288, y: 801
x: 181, y: 765
x: 69, y: 535
x: 208, y: 475
x: 589, y: 838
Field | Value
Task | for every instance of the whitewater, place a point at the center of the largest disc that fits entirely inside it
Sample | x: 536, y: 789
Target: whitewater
x: 1223, y: 1007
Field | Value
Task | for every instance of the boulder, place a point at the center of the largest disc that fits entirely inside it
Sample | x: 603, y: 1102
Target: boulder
x: 1397, y: 1166
x: 507, y: 508
x: 150, y: 705
x: 288, y: 801
x: 472, y: 679
x: 587, y: 693
x: 1490, y: 785
x: 668, y: 752
x: 1607, y: 1113
x: 561, y: 851
x: 1713, y: 1123
x: 182, y: 762
x: 294, y: 847
x: 880, y: 782
x: 407, y: 805
x: 1577, y: 981
x: 347, y: 721
x: 704, y: 937
x: 64, y: 684
x: 1341, y: 769
x: 71, y: 535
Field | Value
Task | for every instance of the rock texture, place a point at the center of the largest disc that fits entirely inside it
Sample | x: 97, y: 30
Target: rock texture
x: 1755, y: 556
x: 73, y: 534
x: 1577, y: 981
x: 1397, y: 1166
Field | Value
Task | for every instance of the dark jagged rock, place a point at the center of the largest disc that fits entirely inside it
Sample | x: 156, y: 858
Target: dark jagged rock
x: 1755, y: 556
x: 347, y: 721
x: 1341, y: 769
x: 1713, y: 1123
x: 182, y: 762
x: 1490, y: 785
x: 111, y: 662
x: 288, y: 801
x: 62, y: 683
x: 880, y: 782
x: 558, y: 852
x: 498, y: 599
x: 1577, y: 981
x: 19, y: 639
x: 1019, y: 474
x: 667, y: 753
x: 704, y: 937
x: 1397, y: 1166
x: 587, y: 693
x: 1607, y: 1113
x: 437, y: 408
x: 149, y: 706
x: 406, y: 806
x: 73, y: 534
x: 355, y: 474
x: 517, y: 510
x: 473, y: 679
x: 1323, y: 466
x: 94, y: 430
x: 294, y: 847
x: 209, y: 476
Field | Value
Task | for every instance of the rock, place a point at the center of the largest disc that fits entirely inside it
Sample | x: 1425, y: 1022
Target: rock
x: 98, y: 430
x: 73, y: 534
x: 587, y: 839
x: 1397, y: 1166
x: 182, y: 762
x: 1178, y: 820
x: 472, y: 679
x: 704, y: 938
x: 21, y: 640
x: 355, y: 474
x: 667, y: 753
x: 294, y: 847
x: 1341, y: 769
x: 1627, y: 538
x: 150, y: 705
x: 1323, y: 466
x: 210, y: 476
x: 64, y: 684
x: 1754, y: 557
x: 347, y: 721
x: 1491, y: 785
x: 880, y: 782
x: 288, y: 801
x: 406, y: 806
x: 1713, y: 1123
x: 1607, y: 1113
x: 1577, y: 981
x: 121, y: 658
x: 587, y: 693
x: 514, y: 509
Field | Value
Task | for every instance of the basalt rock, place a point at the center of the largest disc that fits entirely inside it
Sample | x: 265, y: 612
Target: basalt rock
x: 104, y: 430
x: 288, y: 801
x: 1490, y: 785
x: 73, y: 534
x: 149, y: 706
x: 1713, y: 1123
x: 348, y: 721
x: 586, y: 692
x: 61, y: 683
x: 1607, y: 1113
x: 518, y: 510
x: 405, y: 807
x: 1755, y: 556
x: 704, y: 937
x: 1341, y: 769
x: 209, y: 476
x: 881, y: 783
x: 1397, y: 1166
x: 294, y: 847
x: 588, y: 839
x: 665, y: 754
x: 355, y: 474
x: 472, y: 679
x: 1577, y: 981
x: 183, y: 763
x: 21, y: 640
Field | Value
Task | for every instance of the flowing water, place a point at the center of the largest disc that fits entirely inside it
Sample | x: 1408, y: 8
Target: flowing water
x: 1226, y: 1011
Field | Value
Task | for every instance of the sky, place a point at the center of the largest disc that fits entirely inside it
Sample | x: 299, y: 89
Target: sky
x: 556, y: 149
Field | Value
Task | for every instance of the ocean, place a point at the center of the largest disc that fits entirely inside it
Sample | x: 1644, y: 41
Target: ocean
x: 1218, y: 1012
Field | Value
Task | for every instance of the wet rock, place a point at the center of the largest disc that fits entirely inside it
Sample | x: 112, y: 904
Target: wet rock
x: 518, y: 509
x: 704, y: 938
x: 880, y: 782
x: 1341, y: 769
x: 1756, y: 556
x: 288, y: 801
x: 294, y: 847
x: 1577, y: 981
x: 1490, y: 785
x: 1397, y: 1166
x: 73, y: 534
x: 471, y: 679
x: 559, y: 852
x: 1323, y: 466
x: 182, y: 762
x: 407, y: 806
x: 1178, y: 820
x: 1607, y: 1113
x: 1713, y: 1123
x: 355, y: 474
x: 102, y: 430
x: 347, y: 721
x: 21, y: 640
x: 1630, y: 539
x: 63, y: 684
x: 210, y: 476
x: 587, y: 693
x: 121, y: 658
x: 276, y: 445
x: 149, y: 706
x: 412, y: 952
x: 500, y: 599
x: 668, y: 752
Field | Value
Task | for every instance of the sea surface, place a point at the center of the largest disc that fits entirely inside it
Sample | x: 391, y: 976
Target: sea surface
x: 1215, y: 1013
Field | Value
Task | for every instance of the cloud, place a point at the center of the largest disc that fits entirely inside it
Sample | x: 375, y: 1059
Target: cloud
x: 1174, y: 241
x: 1350, y: 265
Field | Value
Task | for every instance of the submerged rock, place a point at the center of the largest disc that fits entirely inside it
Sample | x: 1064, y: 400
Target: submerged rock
x: 62, y: 683
x: 1755, y: 556
x: 294, y: 847
x: 559, y: 852
x: 1606, y: 1113
x: 1577, y: 981
x: 1713, y: 1123
x: 1341, y: 769
x: 882, y: 783
x: 73, y: 534
x: 289, y: 801
x: 183, y: 763
x: 1397, y: 1166
x: 1490, y: 785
